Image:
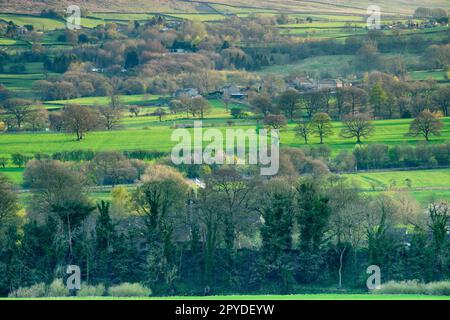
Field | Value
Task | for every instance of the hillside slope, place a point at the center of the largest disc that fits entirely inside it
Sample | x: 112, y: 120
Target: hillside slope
x: 314, y: 6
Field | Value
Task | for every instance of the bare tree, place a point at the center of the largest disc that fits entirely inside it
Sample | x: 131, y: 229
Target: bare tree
x: 357, y: 126
x: 79, y: 120
x: 18, y: 108
x: 321, y: 126
x: 110, y: 117
x: 303, y: 130
x: 426, y: 124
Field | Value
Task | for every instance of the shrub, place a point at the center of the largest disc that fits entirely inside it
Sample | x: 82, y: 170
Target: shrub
x: 91, y: 290
x: 57, y: 289
x: 441, y: 288
x: 129, y: 290
x: 403, y: 287
x: 34, y: 291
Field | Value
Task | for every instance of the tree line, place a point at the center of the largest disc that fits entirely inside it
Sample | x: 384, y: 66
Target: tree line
x: 238, y: 234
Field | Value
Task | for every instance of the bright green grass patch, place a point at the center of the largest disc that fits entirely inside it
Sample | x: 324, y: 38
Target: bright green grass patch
x: 436, y: 178
x: 39, y: 23
x: 217, y: 115
x: 424, y: 197
x: 136, y: 99
x: 14, y: 174
x: 11, y: 42
x: 22, y: 83
x: 391, y: 132
x: 437, y: 75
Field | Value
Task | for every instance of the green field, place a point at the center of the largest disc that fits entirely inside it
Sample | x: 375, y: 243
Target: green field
x: 11, y: 42
x: 332, y: 63
x: 391, y: 132
x: 14, y: 174
x: 22, y: 83
x: 420, y: 179
x: 137, y: 99
x: 39, y: 23
x: 437, y: 75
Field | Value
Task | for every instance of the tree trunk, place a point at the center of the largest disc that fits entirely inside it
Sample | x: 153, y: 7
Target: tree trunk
x: 340, y: 267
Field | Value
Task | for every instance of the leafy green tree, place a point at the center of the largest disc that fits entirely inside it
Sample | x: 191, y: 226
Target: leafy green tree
x: 158, y: 200
x: 276, y: 207
x: 321, y: 126
x: 105, y: 238
x: 378, y: 98
x: 303, y: 130
x: 439, y: 216
x: 8, y: 200
x: 313, y: 213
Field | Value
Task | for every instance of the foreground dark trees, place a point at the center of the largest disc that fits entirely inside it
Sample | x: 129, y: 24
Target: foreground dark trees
x: 239, y: 234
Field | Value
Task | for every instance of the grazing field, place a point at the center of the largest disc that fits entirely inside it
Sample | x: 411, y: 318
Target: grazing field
x: 418, y: 179
x: 332, y: 63
x: 438, y: 75
x: 137, y: 99
x: 39, y: 23
x: 11, y: 42
x: 389, y: 132
x: 14, y: 174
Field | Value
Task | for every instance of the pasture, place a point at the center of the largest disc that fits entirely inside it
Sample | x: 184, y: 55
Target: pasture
x: 137, y: 99
x: 406, y: 180
x: 437, y: 75
x: 391, y: 132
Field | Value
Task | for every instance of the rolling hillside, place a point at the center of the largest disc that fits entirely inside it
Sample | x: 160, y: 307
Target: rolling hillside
x: 404, y: 7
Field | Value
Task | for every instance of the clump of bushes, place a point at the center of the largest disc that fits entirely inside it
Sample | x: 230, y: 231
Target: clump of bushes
x: 441, y: 288
x: 37, y: 290
x: 57, y: 289
x: 91, y: 290
x: 129, y: 290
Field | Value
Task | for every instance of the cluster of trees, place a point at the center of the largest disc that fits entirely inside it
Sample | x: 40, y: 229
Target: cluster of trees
x: 380, y: 96
x: 238, y: 234
x: 21, y: 114
x: 191, y: 106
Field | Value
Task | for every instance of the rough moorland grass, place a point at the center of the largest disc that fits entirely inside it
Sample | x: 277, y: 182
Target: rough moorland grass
x: 199, y: 17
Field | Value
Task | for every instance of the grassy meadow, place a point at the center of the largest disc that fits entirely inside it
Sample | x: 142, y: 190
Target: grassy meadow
x: 143, y: 136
